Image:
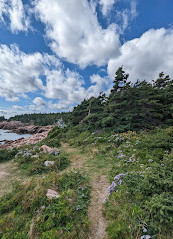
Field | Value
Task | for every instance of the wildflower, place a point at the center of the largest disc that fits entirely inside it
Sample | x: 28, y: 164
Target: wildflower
x: 144, y: 229
x: 78, y: 207
x: 150, y: 160
x: 120, y: 182
x: 145, y: 237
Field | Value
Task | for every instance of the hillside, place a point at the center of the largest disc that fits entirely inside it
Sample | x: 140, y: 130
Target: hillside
x: 138, y: 202
x: 129, y: 106
x: 106, y: 175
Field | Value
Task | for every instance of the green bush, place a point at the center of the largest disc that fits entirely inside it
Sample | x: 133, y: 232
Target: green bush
x: 54, y: 137
x: 6, y: 155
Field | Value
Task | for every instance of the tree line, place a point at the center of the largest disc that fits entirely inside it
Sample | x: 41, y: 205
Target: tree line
x: 129, y: 106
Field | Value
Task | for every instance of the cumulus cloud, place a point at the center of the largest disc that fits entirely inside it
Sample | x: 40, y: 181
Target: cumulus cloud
x: 19, y: 72
x: 99, y: 84
x: 62, y: 105
x: 39, y: 101
x: 145, y: 57
x: 39, y: 104
x: 15, y: 12
x: 74, y: 32
x: 66, y: 85
x: 69, y: 88
x: 22, y: 73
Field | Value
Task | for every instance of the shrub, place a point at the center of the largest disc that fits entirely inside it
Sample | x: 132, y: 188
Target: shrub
x: 6, y: 155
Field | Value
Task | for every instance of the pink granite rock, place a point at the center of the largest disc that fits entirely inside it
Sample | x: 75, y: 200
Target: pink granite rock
x: 52, y: 194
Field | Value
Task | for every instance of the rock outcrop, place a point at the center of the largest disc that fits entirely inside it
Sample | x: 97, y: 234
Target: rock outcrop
x: 38, y: 133
x: 21, y: 128
x: 47, y: 149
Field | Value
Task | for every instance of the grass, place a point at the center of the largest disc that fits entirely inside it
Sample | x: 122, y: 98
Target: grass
x: 7, y: 155
x: 28, y: 210
x: 141, y: 203
x: 32, y: 161
x: 9, y: 174
x: 138, y: 166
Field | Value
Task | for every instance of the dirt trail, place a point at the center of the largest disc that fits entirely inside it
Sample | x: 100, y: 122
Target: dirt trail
x: 99, y: 185
x: 77, y: 160
x: 98, y: 195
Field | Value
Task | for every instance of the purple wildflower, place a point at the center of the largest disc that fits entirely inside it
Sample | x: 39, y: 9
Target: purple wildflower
x: 145, y: 237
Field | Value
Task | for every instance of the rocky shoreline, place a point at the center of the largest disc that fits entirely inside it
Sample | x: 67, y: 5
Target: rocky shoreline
x: 38, y: 133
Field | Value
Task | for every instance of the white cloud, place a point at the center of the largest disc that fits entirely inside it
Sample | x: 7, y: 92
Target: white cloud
x: 106, y: 5
x: 18, y: 107
x: 15, y: 12
x: 99, y: 84
x: 63, y: 105
x: 74, y: 32
x: 68, y: 88
x: 39, y: 101
x: 66, y: 85
x: 39, y: 104
x: 133, y: 9
x: 19, y: 72
x: 145, y: 57
x: 125, y: 16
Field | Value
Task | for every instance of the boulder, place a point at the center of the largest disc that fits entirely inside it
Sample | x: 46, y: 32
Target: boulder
x: 49, y: 163
x: 52, y: 194
x: 47, y: 149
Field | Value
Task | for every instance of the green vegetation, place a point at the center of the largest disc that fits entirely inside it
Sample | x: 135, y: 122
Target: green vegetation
x: 137, y: 106
x: 41, y: 119
x: 2, y: 118
x: 27, y: 212
x: 128, y: 137
x: 6, y: 155
x: 32, y: 161
x: 54, y: 137
x: 141, y: 196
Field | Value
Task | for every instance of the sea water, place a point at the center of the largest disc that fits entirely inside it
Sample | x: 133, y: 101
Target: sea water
x: 8, y: 135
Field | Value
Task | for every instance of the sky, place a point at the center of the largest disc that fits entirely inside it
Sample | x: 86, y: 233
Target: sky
x: 56, y: 53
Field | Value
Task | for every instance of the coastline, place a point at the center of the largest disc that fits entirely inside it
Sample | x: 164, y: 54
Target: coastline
x: 38, y: 133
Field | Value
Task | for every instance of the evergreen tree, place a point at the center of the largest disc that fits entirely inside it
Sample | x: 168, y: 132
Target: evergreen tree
x: 120, y: 79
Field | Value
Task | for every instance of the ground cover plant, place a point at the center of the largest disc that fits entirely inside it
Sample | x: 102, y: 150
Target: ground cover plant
x: 33, y: 160
x: 140, y: 198
x: 28, y: 213
x: 6, y: 155
x: 54, y: 137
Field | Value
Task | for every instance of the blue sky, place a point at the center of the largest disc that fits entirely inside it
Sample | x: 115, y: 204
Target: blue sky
x: 53, y: 54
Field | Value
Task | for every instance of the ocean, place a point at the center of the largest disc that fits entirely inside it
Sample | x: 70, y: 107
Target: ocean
x: 8, y: 135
